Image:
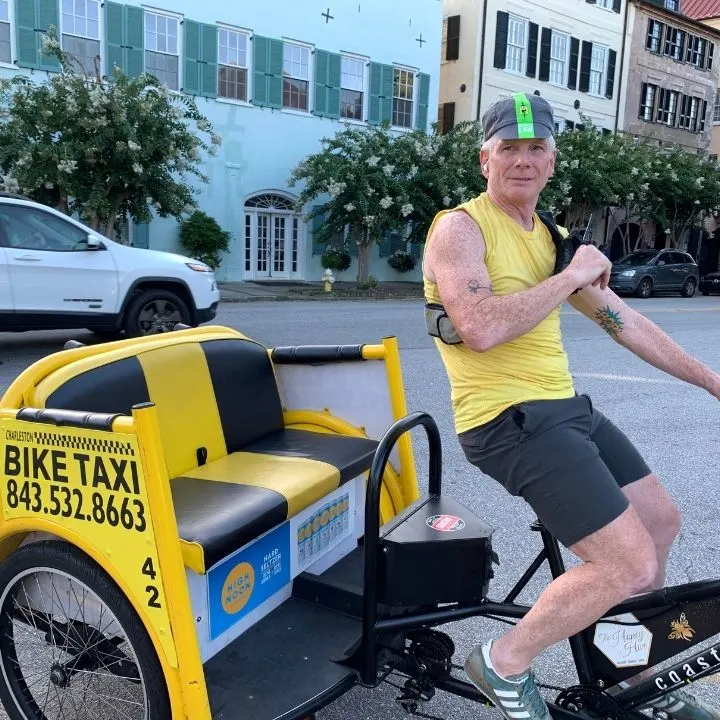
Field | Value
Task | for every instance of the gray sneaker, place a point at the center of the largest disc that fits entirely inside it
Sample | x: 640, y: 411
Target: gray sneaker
x: 517, y: 699
x: 683, y: 705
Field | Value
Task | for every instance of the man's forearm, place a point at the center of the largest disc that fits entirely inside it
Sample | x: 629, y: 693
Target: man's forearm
x: 646, y: 340
x: 506, y: 317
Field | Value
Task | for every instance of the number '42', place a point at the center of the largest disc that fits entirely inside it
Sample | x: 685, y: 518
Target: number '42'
x: 148, y: 569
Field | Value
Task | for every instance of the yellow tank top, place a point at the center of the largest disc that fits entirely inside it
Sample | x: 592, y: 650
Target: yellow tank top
x: 534, y: 366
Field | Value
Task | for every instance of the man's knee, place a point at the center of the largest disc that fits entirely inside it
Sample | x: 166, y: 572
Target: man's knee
x: 640, y: 567
x: 656, y: 509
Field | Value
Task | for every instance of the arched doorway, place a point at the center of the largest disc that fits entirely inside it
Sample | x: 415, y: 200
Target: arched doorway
x: 272, y: 237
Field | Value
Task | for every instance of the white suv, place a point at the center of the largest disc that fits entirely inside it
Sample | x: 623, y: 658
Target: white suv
x: 56, y: 273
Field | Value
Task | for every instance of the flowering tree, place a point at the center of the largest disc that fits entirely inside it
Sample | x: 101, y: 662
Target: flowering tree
x: 356, y: 172
x: 102, y: 149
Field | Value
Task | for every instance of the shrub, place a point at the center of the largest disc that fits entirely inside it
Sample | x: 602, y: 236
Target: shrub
x: 203, y: 238
x: 336, y: 259
x: 402, y: 261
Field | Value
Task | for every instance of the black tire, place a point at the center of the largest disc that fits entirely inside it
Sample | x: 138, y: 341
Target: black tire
x: 689, y: 288
x: 61, y: 557
x: 169, y: 308
x: 644, y: 288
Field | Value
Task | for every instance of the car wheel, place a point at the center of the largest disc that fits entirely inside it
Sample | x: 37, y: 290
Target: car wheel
x: 645, y: 288
x: 155, y: 311
x: 688, y: 289
x: 69, y: 638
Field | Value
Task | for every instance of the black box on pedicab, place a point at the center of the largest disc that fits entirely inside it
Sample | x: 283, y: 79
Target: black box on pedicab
x: 435, y: 551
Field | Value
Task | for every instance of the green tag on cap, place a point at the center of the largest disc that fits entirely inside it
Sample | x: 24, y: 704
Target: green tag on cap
x: 524, y: 116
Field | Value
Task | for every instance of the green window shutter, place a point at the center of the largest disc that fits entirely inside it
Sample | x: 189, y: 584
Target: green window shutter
x: 374, y: 97
x: 318, y: 221
x: 423, y: 100
x: 333, y: 89
x: 33, y: 18
x: 27, y: 50
x: 209, y: 57
x: 134, y: 41
x: 386, y: 94
x: 386, y: 243
x: 48, y: 14
x: 275, y: 77
x: 191, y: 84
x: 322, y: 61
x: 141, y: 235
x: 381, y: 93
x: 261, y: 66
x: 114, y: 25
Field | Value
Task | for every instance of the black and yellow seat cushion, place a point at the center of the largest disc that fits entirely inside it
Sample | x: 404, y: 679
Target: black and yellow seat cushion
x: 236, y: 471
x: 228, y: 503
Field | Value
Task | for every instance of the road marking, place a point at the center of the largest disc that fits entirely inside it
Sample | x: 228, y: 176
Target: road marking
x: 624, y: 378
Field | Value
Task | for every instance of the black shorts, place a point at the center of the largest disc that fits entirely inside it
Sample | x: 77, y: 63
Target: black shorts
x: 566, y: 459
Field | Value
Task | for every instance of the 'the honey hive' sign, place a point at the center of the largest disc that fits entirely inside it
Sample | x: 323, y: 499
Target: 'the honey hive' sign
x: 92, y: 483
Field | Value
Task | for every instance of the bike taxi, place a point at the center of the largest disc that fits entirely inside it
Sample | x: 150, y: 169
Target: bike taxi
x: 195, y: 526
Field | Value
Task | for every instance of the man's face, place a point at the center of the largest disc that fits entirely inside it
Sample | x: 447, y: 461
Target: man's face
x: 518, y: 169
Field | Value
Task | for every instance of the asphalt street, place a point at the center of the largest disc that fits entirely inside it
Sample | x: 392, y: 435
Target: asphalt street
x: 674, y: 424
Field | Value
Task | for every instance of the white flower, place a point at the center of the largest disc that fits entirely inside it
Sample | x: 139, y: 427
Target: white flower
x: 574, y: 164
x: 349, y: 207
x: 645, y: 186
x: 386, y: 202
x: 216, y: 140
x: 67, y: 166
x: 387, y: 169
x: 447, y: 201
x: 563, y: 164
x: 133, y: 146
x: 335, y: 188
x: 137, y: 168
x: 413, y: 171
x: 369, y: 219
x: 634, y: 171
x: 373, y: 161
x: 699, y: 182
x: 370, y: 192
x: 406, y: 209
x: 204, y: 125
x: 49, y: 185
x: 697, y: 202
x: 673, y: 176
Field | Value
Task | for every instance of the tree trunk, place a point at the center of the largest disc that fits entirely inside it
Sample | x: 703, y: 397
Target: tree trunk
x: 364, y: 249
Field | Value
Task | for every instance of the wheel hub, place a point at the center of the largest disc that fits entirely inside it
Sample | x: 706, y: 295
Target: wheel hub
x: 58, y: 676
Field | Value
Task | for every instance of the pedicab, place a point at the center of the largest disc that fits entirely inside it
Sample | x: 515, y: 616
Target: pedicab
x: 195, y: 526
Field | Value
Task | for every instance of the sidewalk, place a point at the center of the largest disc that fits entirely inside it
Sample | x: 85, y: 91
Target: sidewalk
x: 232, y: 292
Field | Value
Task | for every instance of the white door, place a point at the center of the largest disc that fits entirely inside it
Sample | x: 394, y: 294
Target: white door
x: 6, y: 301
x: 51, y: 268
x: 272, y: 246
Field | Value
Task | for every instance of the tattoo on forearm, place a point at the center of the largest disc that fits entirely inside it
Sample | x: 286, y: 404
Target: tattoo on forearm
x: 609, y: 320
x: 474, y: 286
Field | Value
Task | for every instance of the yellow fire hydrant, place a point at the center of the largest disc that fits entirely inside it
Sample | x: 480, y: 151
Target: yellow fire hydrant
x: 329, y: 279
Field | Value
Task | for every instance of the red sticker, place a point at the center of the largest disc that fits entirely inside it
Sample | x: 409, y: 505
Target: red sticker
x: 445, y: 523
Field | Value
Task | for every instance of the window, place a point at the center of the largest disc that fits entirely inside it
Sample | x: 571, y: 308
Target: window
x: 598, y: 61
x: 647, y: 101
x: 446, y: 117
x: 605, y: 4
x: 403, y: 85
x: 674, y: 41
x: 696, y: 51
x: 654, y: 36
x: 672, y: 5
x: 232, y: 64
x: 161, y: 49
x: 296, y: 76
x: 81, y: 33
x: 667, y: 106
x: 688, y: 112
x: 352, y: 86
x: 559, y: 53
x: 38, y: 230
x: 5, y: 51
x: 516, y: 44
x: 716, y: 108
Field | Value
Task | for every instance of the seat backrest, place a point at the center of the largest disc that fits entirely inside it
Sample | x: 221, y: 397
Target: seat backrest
x: 213, y: 397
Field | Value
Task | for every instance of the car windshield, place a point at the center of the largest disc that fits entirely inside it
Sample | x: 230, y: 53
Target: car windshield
x: 637, y: 258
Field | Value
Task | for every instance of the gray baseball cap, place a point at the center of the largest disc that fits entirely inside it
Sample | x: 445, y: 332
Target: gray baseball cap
x: 519, y: 116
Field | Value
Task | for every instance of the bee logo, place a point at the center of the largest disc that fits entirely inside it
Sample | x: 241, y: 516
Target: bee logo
x: 681, y: 629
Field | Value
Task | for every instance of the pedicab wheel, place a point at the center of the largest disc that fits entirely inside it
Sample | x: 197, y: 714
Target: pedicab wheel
x: 71, y: 645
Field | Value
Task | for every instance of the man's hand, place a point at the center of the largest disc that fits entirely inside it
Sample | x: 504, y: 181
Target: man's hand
x: 589, y: 267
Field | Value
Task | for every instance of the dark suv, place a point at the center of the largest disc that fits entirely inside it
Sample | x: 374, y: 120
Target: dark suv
x: 645, y: 272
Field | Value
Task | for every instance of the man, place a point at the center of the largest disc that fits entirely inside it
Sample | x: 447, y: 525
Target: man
x: 490, y: 263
